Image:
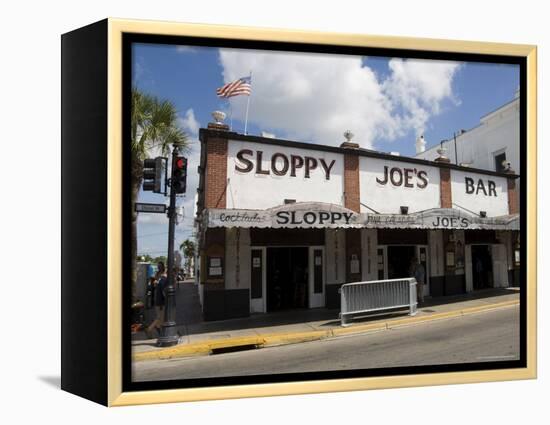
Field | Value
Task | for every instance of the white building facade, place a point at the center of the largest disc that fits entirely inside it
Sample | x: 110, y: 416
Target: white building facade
x: 494, y: 141
x: 494, y: 144
x: 283, y: 224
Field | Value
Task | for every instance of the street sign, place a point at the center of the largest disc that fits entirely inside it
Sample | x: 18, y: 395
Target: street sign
x: 150, y: 208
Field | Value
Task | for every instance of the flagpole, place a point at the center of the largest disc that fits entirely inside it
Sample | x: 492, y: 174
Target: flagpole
x: 230, y: 115
x: 247, y: 105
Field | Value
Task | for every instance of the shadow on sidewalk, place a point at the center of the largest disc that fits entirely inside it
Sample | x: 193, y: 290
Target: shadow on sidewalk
x: 190, y: 322
x: 479, y: 294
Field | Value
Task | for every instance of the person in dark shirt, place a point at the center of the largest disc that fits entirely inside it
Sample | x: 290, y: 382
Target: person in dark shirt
x: 159, y: 300
x: 420, y: 276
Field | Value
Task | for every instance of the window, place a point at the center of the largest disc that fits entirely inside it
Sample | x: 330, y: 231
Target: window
x: 499, y: 162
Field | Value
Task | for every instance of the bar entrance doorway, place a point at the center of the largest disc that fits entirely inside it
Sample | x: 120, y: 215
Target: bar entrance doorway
x: 287, y: 278
x: 482, y: 267
x: 399, y: 261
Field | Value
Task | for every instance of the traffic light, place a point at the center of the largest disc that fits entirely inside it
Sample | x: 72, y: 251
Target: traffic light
x: 179, y: 174
x: 153, y: 173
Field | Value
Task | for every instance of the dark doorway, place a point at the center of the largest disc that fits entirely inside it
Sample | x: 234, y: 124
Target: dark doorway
x: 287, y: 278
x: 482, y: 266
x: 399, y: 261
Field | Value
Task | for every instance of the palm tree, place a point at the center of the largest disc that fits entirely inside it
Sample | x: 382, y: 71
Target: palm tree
x: 153, y: 126
x: 188, y: 249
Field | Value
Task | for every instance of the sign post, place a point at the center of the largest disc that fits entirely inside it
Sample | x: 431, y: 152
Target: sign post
x: 150, y: 208
x: 169, y: 335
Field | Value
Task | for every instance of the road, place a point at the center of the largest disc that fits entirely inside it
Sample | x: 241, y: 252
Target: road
x: 488, y: 336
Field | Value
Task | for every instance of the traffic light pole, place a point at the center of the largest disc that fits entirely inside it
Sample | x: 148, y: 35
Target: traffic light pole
x: 169, y: 334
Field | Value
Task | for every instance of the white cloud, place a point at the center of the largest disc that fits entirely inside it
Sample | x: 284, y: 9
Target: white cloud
x: 158, y: 223
x: 189, y: 123
x: 152, y: 218
x: 419, y: 87
x: 317, y: 97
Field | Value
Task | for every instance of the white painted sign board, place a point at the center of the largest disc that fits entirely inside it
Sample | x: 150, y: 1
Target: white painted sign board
x: 386, y: 185
x: 262, y: 176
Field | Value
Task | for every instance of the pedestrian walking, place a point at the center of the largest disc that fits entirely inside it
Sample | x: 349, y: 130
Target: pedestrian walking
x: 150, y: 294
x: 419, y: 273
x: 161, y: 280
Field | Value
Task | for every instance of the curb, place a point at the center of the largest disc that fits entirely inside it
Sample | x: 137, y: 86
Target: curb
x: 272, y: 340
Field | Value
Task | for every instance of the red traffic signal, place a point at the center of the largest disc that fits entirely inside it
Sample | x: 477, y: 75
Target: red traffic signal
x: 181, y: 163
x: 179, y: 174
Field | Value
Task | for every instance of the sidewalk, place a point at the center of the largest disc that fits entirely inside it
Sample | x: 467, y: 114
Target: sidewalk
x: 260, y: 330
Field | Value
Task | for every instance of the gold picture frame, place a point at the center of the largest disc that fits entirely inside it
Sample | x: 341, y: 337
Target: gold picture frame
x: 115, y: 29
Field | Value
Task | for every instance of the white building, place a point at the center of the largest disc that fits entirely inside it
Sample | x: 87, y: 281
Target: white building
x: 491, y: 144
x: 283, y: 224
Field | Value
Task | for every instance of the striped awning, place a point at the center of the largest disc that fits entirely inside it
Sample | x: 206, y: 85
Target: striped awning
x: 321, y: 215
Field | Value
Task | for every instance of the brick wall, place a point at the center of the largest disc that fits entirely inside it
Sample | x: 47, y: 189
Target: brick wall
x: 513, y: 201
x: 445, y: 188
x: 215, y: 183
x: 216, y: 172
x: 351, y: 182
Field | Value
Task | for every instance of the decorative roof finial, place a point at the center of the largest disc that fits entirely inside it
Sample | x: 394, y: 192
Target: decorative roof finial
x: 441, y: 151
x: 218, y: 116
x: 348, y: 135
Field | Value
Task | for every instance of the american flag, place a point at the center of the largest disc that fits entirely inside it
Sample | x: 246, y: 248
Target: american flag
x: 240, y: 86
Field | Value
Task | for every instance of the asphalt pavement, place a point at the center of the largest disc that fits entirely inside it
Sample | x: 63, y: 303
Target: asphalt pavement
x: 486, y: 336
x: 200, y: 337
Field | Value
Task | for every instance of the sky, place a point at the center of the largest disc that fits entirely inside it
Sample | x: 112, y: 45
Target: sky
x: 385, y: 102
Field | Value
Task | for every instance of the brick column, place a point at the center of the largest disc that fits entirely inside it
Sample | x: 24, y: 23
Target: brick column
x: 513, y: 201
x: 445, y: 194
x: 216, y: 169
x: 351, y: 182
x: 215, y: 186
x: 352, y: 200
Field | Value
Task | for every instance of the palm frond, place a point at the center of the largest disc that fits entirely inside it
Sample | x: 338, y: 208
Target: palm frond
x: 154, y: 123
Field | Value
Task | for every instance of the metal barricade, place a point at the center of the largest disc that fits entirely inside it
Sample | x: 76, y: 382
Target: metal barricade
x: 377, y: 295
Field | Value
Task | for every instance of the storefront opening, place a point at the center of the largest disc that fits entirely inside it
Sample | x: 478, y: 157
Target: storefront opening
x: 287, y: 278
x: 482, y: 267
x: 399, y: 261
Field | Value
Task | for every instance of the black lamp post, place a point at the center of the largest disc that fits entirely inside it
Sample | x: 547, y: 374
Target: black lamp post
x: 169, y: 335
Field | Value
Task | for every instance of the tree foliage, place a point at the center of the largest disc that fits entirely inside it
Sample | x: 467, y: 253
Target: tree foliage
x: 154, y: 129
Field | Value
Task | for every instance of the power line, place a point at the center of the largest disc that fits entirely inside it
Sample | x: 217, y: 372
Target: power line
x: 152, y: 234
x: 158, y: 234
